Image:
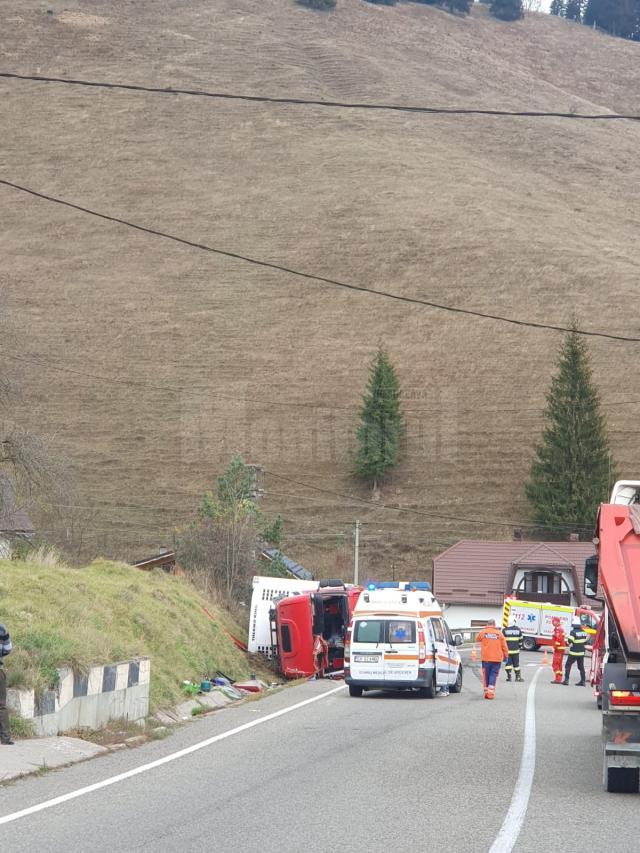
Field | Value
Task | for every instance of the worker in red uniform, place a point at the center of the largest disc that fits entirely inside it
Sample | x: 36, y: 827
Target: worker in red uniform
x: 559, y: 643
x: 493, y: 651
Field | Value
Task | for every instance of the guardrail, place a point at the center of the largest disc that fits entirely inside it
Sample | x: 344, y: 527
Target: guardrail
x: 468, y: 634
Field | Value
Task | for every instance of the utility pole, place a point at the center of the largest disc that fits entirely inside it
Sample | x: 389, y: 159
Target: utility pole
x: 356, y: 554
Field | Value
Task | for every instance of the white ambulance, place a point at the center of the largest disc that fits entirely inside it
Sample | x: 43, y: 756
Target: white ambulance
x: 398, y: 640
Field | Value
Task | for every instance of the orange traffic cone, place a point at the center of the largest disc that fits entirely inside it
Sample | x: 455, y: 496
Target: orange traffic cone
x: 474, y: 654
x: 545, y: 658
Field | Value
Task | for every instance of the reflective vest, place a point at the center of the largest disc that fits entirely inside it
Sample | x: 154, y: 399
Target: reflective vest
x: 513, y: 636
x: 577, y: 641
x: 493, y: 648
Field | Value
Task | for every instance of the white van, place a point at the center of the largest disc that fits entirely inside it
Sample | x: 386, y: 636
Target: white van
x: 398, y: 640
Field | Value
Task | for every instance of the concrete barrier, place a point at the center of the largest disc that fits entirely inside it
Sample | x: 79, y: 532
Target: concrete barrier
x: 87, y: 700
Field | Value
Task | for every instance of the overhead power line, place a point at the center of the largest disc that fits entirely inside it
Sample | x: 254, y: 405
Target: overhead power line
x: 311, y: 102
x: 319, y: 406
x: 425, y: 513
x: 411, y: 300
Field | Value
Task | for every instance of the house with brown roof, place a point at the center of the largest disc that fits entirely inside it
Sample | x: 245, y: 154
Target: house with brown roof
x: 15, y: 524
x: 472, y: 578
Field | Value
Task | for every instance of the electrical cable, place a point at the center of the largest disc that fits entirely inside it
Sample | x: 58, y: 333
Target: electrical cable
x: 310, y: 102
x: 356, y: 288
x: 425, y: 513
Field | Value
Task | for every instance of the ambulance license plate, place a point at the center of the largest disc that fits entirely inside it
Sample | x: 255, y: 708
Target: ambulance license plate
x: 366, y: 658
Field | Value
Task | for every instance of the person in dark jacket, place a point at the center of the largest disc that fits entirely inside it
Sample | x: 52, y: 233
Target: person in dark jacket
x: 5, y: 649
x: 576, y: 642
x: 513, y: 636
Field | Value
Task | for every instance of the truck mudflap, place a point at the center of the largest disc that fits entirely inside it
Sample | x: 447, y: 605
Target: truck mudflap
x: 621, y: 736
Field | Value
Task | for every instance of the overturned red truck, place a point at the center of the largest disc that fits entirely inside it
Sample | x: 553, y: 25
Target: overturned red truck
x: 308, y: 630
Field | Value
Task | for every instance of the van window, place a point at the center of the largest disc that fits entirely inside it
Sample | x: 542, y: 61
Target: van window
x: 369, y: 631
x: 437, y: 629
x: 402, y: 631
x: 447, y: 634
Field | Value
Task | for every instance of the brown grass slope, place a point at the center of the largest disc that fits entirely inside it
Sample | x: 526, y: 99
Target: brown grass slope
x: 528, y: 218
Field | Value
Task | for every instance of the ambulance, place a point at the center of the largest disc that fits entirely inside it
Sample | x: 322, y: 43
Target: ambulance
x: 535, y: 620
x: 398, y: 640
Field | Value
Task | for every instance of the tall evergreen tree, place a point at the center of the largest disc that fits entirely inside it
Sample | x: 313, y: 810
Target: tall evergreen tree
x: 573, y: 10
x: 381, y: 421
x: 572, y: 471
x: 557, y: 8
x: 507, y: 10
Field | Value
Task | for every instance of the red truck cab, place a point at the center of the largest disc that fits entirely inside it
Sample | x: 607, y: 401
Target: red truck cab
x: 310, y: 629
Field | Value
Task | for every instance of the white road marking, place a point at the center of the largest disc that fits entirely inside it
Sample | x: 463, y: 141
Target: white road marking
x: 512, y: 824
x: 144, y: 768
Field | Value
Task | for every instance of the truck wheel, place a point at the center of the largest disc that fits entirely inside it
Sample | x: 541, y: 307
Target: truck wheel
x: 621, y: 780
x: 430, y: 690
x: 456, y: 687
x: 530, y: 645
x: 354, y: 690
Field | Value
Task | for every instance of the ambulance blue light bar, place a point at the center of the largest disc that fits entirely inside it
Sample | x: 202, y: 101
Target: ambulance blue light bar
x: 415, y: 586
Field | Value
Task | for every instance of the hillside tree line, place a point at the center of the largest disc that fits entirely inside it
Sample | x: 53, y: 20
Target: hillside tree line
x: 618, y: 17
x: 506, y: 10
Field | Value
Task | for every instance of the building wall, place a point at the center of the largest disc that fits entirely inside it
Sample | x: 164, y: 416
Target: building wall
x: 461, y: 615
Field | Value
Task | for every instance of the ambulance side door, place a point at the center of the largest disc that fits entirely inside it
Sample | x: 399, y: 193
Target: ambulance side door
x: 441, y: 651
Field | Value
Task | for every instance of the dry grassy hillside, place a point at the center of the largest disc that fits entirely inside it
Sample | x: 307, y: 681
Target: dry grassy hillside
x: 532, y: 218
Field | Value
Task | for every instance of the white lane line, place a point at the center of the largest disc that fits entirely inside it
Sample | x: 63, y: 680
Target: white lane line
x: 144, y: 768
x: 512, y: 824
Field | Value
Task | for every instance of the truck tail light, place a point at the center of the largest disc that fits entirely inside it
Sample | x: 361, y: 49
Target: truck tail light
x: 422, y: 647
x: 347, y: 645
x: 624, y: 697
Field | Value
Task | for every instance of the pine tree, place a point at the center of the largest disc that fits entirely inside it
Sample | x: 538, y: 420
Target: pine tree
x: 507, y: 10
x: 573, y: 10
x: 572, y: 471
x: 381, y: 421
x: 557, y: 8
x: 274, y: 532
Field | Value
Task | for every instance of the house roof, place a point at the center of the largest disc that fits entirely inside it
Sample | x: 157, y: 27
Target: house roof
x: 12, y: 518
x: 294, y: 568
x: 475, y: 571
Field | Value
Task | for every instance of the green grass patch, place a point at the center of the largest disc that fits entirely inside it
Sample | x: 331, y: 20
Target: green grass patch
x: 107, y: 612
x: 20, y: 728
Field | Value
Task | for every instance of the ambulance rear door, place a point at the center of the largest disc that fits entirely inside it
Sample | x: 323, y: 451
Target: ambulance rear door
x: 401, y: 649
x: 367, y: 649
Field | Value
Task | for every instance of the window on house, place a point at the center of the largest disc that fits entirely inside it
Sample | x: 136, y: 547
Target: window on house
x: 543, y: 582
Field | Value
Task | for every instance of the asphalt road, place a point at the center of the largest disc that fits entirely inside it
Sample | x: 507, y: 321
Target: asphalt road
x: 384, y: 772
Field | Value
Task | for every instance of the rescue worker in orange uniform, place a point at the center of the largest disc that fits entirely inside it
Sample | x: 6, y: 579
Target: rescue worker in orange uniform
x: 559, y: 643
x: 493, y: 651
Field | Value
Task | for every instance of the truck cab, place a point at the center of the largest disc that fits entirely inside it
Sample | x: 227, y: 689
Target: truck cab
x: 309, y: 629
